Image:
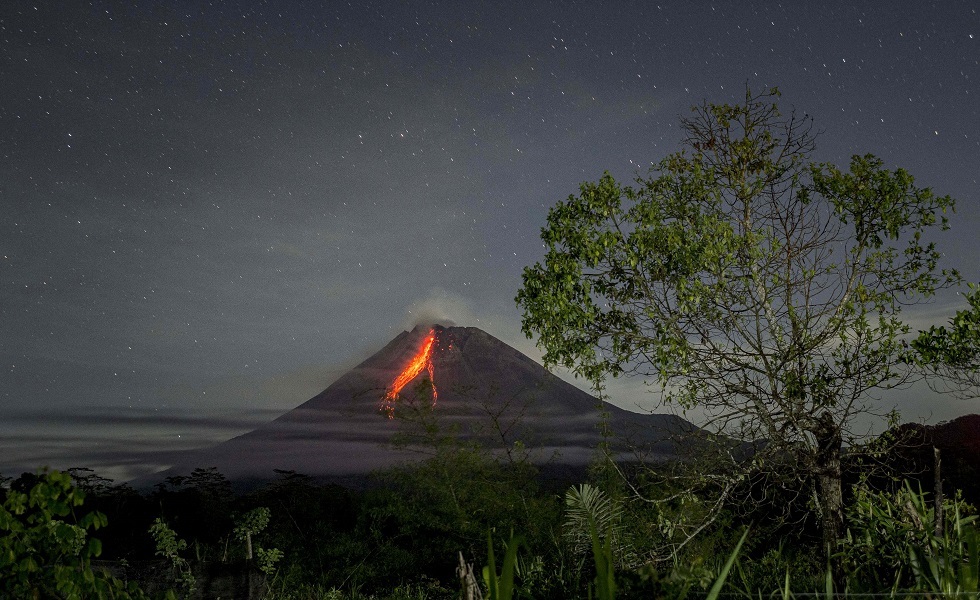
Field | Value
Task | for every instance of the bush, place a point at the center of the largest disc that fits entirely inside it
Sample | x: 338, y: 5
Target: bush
x: 885, y: 528
x: 43, y: 553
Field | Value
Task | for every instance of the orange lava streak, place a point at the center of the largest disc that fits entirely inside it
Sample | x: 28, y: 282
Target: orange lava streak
x: 421, y: 361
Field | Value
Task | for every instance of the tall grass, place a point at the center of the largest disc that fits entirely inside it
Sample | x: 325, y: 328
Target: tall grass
x: 927, y: 561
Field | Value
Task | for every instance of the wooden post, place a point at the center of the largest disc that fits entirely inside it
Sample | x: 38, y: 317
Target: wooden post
x: 471, y: 589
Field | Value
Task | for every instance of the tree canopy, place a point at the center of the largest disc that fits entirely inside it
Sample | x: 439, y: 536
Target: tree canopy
x: 743, y: 278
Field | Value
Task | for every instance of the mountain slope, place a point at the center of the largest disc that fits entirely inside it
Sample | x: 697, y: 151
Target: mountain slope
x: 484, y: 389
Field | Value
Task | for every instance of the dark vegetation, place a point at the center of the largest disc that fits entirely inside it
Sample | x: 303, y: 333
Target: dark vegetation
x: 401, y: 536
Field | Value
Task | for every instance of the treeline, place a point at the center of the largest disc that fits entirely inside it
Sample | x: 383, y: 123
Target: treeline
x: 404, y: 528
x: 405, y: 533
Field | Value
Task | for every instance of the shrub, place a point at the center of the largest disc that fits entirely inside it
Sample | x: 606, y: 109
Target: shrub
x: 44, y: 554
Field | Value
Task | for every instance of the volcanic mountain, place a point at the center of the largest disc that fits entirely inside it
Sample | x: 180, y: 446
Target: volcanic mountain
x: 456, y: 381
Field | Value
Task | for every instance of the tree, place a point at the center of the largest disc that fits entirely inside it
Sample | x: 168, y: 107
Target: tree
x: 951, y: 354
x: 746, y: 280
x: 253, y: 523
x: 198, y: 507
x: 169, y: 546
x: 45, y: 552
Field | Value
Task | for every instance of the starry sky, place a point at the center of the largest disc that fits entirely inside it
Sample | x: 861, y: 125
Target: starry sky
x: 209, y: 210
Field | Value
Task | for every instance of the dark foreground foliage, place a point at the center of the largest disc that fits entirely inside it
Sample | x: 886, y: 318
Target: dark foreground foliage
x: 402, y: 536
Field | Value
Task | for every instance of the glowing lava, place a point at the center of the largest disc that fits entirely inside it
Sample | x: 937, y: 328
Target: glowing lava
x: 421, y: 361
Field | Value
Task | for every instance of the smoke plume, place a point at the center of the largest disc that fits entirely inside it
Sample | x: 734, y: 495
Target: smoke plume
x: 440, y: 307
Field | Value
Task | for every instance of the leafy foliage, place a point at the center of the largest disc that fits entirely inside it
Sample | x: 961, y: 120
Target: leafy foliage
x: 745, y: 280
x: 44, y: 554
x: 893, y: 540
x: 951, y: 354
x: 591, y: 513
x: 169, y: 546
x: 427, y: 512
x: 500, y: 586
x: 199, y: 507
x: 250, y: 524
x: 892, y: 545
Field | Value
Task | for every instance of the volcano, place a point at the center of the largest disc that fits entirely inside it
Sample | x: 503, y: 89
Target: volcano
x: 458, y: 380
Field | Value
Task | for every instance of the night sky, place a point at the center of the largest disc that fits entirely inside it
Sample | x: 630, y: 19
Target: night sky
x: 210, y: 210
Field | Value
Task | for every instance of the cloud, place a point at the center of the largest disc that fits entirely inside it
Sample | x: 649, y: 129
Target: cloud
x: 118, y: 458
x: 118, y: 442
x: 121, y: 416
x: 440, y: 307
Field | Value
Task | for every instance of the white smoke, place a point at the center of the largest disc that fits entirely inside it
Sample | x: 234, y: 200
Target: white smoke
x: 441, y: 307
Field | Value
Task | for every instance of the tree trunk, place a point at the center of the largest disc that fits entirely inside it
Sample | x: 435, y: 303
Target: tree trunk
x: 828, y: 471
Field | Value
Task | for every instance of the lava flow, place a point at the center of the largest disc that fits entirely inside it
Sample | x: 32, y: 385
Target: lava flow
x: 421, y: 361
